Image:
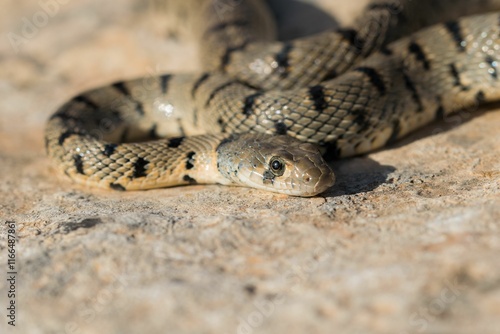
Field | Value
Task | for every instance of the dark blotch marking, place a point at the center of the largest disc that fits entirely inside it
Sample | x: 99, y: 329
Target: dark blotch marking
x: 65, y: 135
x: 318, y: 96
x: 153, y: 134
x: 164, y: 79
x: 78, y: 164
x: 439, y: 114
x: 117, y: 115
x: 330, y: 75
x: 491, y: 62
x: 332, y: 151
x: 190, y: 160
x: 283, y: 59
x: 229, y: 51
x: 480, y: 97
x: 351, y: 36
x: 85, y: 100
x: 386, y: 51
x: 361, y: 119
x: 249, y: 103
x: 455, y: 75
x: 396, y: 129
x: 140, y: 168
x: 204, y: 77
x: 139, y: 108
x: 281, y: 128
x: 455, y: 31
x: 109, y: 149
x: 189, y: 179
x: 417, y: 50
x: 175, y: 142
x: 222, y: 125
x: 414, y: 94
x: 64, y: 117
x: 218, y: 90
x: 117, y: 187
x: 374, y: 77
x: 121, y: 87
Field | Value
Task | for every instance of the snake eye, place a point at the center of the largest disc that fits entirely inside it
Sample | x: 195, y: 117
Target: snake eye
x: 277, y: 166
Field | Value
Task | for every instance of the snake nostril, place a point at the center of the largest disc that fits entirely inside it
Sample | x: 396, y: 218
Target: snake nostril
x: 307, y: 178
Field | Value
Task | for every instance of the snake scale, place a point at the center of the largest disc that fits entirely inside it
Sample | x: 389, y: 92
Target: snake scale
x: 266, y: 114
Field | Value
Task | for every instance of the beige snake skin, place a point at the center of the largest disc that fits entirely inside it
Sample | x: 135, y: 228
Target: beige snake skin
x: 265, y: 114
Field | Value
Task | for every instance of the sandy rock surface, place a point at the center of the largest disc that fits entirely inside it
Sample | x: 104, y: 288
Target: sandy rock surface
x: 408, y: 241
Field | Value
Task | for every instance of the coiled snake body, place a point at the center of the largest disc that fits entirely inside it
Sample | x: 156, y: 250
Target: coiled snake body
x: 264, y: 113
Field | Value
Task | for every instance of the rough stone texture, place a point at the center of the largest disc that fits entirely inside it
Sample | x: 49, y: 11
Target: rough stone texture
x: 407, y: 241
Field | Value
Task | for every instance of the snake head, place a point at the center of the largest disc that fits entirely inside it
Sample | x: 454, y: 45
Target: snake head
x: 279, y: 164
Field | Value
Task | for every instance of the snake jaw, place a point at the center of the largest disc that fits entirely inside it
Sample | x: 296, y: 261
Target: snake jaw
x: 251, y: 161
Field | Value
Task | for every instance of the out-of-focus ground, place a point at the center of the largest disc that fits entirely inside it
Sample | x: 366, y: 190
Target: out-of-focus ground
x: 408, y: 240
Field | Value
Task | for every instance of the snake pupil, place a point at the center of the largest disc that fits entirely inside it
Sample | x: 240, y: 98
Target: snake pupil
x: 277, y: 166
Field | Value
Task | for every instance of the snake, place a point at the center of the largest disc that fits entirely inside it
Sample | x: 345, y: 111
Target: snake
x: 270, y: 114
